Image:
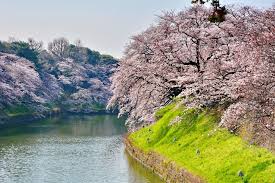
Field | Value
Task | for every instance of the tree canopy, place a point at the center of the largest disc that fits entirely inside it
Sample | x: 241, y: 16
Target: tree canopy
x: 207, y: 63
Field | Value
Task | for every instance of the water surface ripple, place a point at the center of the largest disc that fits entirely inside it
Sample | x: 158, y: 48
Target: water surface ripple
x: 72, y: 149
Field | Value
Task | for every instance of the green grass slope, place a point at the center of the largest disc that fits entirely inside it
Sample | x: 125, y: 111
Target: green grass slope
x: 192, y: 139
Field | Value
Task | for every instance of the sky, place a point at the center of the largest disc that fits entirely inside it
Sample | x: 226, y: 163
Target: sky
x: 102, y: 25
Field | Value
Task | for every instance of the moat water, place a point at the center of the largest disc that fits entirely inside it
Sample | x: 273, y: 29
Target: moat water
x: 69, y: 149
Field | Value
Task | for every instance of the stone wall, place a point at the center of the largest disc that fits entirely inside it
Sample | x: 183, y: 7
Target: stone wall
x: 167, y: 170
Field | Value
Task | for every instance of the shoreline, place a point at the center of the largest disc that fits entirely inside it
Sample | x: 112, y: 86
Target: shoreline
x: 166, y: 170
x: 7, y: 122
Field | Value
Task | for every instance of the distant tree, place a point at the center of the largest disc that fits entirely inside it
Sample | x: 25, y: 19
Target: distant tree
x: 78, y: 43
x: 20, y: 48
x: 93, y: 57
x: 218, y: 14
x: 77, y: 53
x: 58, y: 47
x: 198, y: 1
x: 12, y: 39
x: 35, y: 45
x: 107, y: 59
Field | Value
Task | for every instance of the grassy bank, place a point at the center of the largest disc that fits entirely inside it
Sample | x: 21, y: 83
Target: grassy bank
x: 193, y: 141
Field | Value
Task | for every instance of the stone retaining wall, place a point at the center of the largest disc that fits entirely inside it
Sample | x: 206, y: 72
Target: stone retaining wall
x: 167, y: 170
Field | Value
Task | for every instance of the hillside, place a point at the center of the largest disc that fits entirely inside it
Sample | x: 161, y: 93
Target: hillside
x: 35, y: 82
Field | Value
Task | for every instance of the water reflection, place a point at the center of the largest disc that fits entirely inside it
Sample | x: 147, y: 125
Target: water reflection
x: 136, y: 172
x: 69, y: 149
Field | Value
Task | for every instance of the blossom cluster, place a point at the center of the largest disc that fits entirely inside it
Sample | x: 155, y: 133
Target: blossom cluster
x: 229, y: 63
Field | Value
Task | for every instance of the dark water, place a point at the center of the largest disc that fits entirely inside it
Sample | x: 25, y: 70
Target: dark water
x: 74, y: 149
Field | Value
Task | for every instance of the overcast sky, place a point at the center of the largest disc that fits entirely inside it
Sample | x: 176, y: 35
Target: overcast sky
x: 103, y: 25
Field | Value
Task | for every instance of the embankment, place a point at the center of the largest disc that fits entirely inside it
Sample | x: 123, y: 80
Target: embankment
x: 186, y: 145
x: 166, y: 170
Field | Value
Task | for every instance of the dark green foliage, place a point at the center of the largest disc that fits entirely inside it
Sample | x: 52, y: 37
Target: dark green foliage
x: 78, y: 54
x: 69, y: 89
x: 21, y: 49
x: 240, y: 173
x: 45, y: 60
x: 17, y: 110
x: 218, y: 15
x: 85, y: 55
x: 198, y: 1
x: 107, y: 59
x: 219, y: 12
x: 93, y: 57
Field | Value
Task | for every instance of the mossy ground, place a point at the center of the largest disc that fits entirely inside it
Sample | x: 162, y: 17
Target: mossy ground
x: 198, y: 145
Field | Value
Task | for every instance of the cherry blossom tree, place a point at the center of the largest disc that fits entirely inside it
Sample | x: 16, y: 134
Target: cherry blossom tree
x: 253, y: 89
x: 18, y: 78
x: 204, y: 62
x: 170, y: 58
